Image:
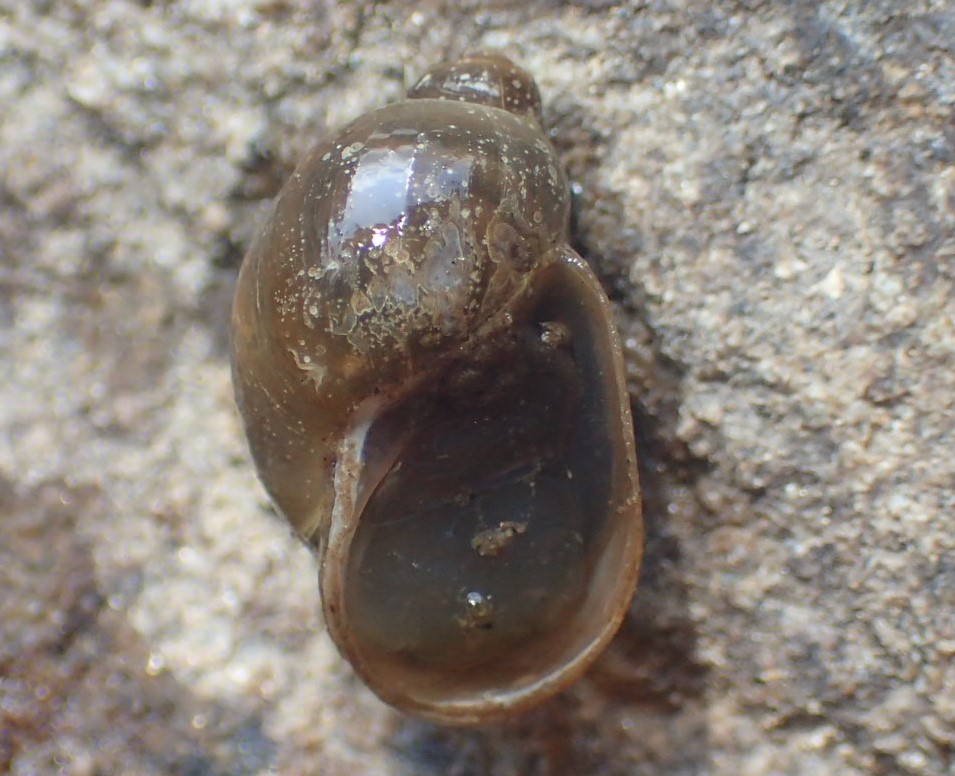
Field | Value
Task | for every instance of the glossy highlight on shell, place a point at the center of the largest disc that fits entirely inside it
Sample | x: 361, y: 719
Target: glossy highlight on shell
x: 433, y: 394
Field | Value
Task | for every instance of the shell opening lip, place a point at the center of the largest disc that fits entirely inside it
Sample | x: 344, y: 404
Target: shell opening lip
x: 390, y: 467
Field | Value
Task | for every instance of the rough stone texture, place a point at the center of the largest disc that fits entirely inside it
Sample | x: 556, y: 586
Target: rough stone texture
x: 768, y: 191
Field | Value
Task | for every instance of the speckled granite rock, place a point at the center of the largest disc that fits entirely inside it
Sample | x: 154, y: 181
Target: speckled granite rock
x: 769, y: 194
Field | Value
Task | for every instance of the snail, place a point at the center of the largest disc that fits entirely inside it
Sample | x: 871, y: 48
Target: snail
x: 434, y: 398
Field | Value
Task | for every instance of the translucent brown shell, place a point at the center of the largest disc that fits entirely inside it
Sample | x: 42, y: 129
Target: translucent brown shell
x: 433, y: 393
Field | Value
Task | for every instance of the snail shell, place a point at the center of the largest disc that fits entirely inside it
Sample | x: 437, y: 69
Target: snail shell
x: 433, y: 394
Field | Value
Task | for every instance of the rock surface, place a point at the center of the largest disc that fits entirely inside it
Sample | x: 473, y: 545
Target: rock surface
x: 768, y: 191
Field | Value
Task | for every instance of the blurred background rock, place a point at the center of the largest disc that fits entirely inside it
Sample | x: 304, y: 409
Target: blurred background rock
x: 768, y: 193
